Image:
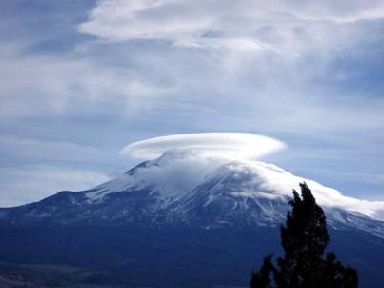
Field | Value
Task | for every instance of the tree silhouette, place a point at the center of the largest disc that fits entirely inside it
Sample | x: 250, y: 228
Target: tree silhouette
x: 304, y: 239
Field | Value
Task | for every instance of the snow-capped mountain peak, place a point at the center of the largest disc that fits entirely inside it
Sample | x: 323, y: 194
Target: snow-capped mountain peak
x: 177, y: 173
x: 172, y: 174
x: 192, y: 188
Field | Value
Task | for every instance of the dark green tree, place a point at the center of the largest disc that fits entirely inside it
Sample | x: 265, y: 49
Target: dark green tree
x: 304, y: 239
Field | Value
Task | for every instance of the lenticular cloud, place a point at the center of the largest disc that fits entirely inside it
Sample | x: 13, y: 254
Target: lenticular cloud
x: 238, y: 145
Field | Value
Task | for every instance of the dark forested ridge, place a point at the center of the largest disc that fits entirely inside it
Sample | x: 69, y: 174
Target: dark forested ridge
x: 174, y: 257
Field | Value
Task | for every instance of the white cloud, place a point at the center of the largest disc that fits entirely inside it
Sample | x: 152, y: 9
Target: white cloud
x: 28, y: 184
x: 238, y: 145
x: 278, y: 63
x: 259, y: 67
x: 281, y: 25
x: 60, y: 85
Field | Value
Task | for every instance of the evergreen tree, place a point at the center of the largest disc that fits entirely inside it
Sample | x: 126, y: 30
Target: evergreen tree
x: 304, y: 239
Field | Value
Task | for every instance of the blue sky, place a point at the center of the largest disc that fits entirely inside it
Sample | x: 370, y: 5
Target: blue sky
x: 79, y: 80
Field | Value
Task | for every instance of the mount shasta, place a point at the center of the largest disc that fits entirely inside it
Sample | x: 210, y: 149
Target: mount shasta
x: 205, y: 220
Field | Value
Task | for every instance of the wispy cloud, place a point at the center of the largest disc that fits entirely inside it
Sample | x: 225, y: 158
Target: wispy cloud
x: 35, y: 85
x: 274, y: 57
x: 254, y: 25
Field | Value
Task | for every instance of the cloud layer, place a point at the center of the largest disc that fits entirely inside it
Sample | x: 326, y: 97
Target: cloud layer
x: 238, y: 145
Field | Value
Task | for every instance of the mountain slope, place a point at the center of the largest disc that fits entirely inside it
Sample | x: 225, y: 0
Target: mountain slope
x: 184, y: 220
x: 188, y: 188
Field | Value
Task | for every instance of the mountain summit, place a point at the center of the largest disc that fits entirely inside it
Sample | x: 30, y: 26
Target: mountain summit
x: 190, y: 188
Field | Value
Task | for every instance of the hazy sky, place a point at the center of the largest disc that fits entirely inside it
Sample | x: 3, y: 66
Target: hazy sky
x: 79, y: 80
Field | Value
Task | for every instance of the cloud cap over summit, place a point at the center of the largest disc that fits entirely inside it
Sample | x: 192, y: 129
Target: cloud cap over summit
x: 235, y: 145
